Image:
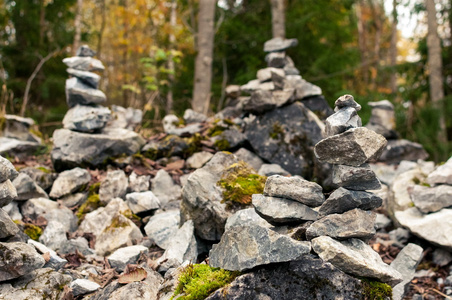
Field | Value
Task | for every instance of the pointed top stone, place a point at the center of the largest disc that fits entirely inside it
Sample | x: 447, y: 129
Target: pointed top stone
x: 346, y: 101
x: 85, y: 50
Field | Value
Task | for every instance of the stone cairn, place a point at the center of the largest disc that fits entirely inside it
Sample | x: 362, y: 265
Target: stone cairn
x: 82, y: 94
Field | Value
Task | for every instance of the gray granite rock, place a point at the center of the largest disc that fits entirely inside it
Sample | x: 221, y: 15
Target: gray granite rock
x: 90, y: 78
x: 43, y: 176
x: 276, y: 59
x: 86, y: 118
x: 266, y: 74
x: 70, y: 181
x: 355, y: 178
x: 406, y: 263
x: 79, y: 244
x: 441, y: 257
x: 191, y: 116
x: 113, y: 186
x: 36, y: 207
x: 294, y: 188
x: 282, y: 211
x: 354, y: 147
x: 245, y: 247
x: 355, y: 223
x: 432, y: 199
x: 126, y: 118
x: 77, y: 92
x: 355, y: 257
x: 84, y: 63
x: 346, y: 101
x: 83, y: 286
x: 162, y: 227
x: 398, y: 150
x: 342, y: 200
x: 7, y: 226
x: 139, y: 183
x: 18, y: 128
x: 13, y: 211
x: 13, y: 147
x: 249, y: 157
x: 18, y: 259
x: 142, y: 202
x: 381, y: 221
x: 250, y: 86
x: 7, y: 192
x: 303, y: 89
x: 55, y: 262
x: 433, y: 227
x: 27, y: 188
x: 304, y: 279
x: 127, y: 255
x: 232, y: 136
x: 164, y: 188
x: 54, y: 235
x: 73, y: 149
x: 342, y: 120
x: 259, y: 102
x: 74, y: 199
x: 285, y: 136
x: 382, y: 119
x: 279, y: 44
x: 441, y: 175
x: 272, y: 169
x: 198, y: 159
x: 400, y: 196
x: 85, y: 51
x: 244, y: 217
x: 399, y: 236
x: 7, y: 170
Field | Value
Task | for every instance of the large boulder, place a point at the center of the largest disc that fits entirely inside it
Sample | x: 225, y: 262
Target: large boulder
x: 86, y: 118
x: 285, y: 136
x: 17, y: 259
x: 398, y: 150
x: 72, y: 149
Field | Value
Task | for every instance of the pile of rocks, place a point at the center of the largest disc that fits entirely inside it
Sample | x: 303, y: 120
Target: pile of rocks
x: 86, y: 140
x: 19, y: 136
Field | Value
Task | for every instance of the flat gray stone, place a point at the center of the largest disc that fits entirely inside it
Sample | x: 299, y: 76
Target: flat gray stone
x: 139, y: 183
x: 113, y: 186
x: 43, y: 176
x: 249, y: 157
x: 7, y: 170
x: 198, y: 159
x: 244, y: 217
x: 354, y: 223
x: 432, y: 199
x: 191, y: 116
x: 7, y: 226
x: 86, y: 118
x: 279, y: 44
x: 279, y: 211
x: 85, y: 51
x: 74, y: 199
x: 54, y: 235
x: 294, y: 188
x: 36, y: 207
x: 342, y: 120
x: 441, y: 175
x: 164, y: 188
x: 127, y: 118
x: 162, y: 227
x: 70, y: 181
x: 7, y: 192
x: 259, y: 102
x: 14, y: 147
x: 303, y: 89
x: 127, y: 255
x: 245, y: 247
x: 355, y: 257
x: 266, y: 74
x: 272, y: 169
x: 55, y: 262
x: 83, y: 286
x: 441, y: 257
x: 27, y: 188
x: 17, y: 259
x: 355, y: 178
x: 399, y: 150
x: 77, y: 92
x: 84, y: 63
x: 354, y: 147
x: 406, y: 263
x: 342, y: 200
x: 142, y: 202
x: 90, y: 78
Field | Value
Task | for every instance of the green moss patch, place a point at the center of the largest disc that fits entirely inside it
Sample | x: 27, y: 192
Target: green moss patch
x: 33, y: 231
x: 91, y: 204
x: 198, y: 281
x: 277, y: 132
x: 375, y: 290
x: 240, y: 182
x: 117, y: 222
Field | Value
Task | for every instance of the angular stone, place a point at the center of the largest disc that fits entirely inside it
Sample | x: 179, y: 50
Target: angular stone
x: 139, y: 183
x: 127, y: 255
x: 442, y: 174
x: 86, y: 118
x: 233, y: 138
x: 89, y: 78
x: 272, y: 169
x: 7, y: 192
x: 7, y: 226
x: 283, y: 97
x: 245, y: 217
x: 282, y: 211
x: 198, y: 159
x: 191, y: 116
x: 232, y: 91
x: 54, y: 235
x: 355, y: 257
x: 74, y: 199
x: 398, y: 150
x: 399, y: 196
x: 7, y: 170
x: 84, y: 51
x: 319, y: 106
x: 245, y: 247
x: 14, y: 147
x: 354, y: 223
x: 118, y: 233
x: 381, y: 222
x: 17, y: 259
x: 72, y: 149
x: 34, y: 208
x: 342, y: 200
x: 79, y: 244
x: 16, y: 127
x: 406, y: 263
x: 27, y: 188
x: 164, y: 188
x: 182, y: 247
x: 113, y: 186
x: 43, y: 176
x: 354, y: 147
x: 285, y: 136
x: 84, y: 63
x: 441, y: 257
x: 433, y: 227
x: 346, y: 101
x: 303, y: 89
x: 266, y: 74
x: 142, y: 202
x: 127, y: 118
x: 13, y: 211
x: 83, y: 286
x: 432, y: 199
x: 77, y: 92
x: 399, y: 236
x: 355, y: 178
x: 276, y: 59
x: 259, y: 102
x: 162, y: 227
x: 55, y: 262
x: 70, y: 181
x: 382, y: 119
x: 279, y: 44
x: 294, y: 188
x: 250, y: 86
x: 342, y: 120
x: 304, y: 279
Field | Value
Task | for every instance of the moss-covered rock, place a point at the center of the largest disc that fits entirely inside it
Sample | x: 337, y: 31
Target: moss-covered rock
x: 375, y: 290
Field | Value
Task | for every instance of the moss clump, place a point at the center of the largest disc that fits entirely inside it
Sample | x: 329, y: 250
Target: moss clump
x: 375, y: 290
x: 222, y: 144
x: 33, y: 231
x: 94, y: 188
x: 277, y: 132
x: 132, y: 217
x: 117, y: 222
x: 198, y: 281
x: 240, y: 182
x: 91, y: 204
x: 44, y: 169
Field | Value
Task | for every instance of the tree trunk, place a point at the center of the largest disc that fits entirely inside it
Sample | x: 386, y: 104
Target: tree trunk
x: 362, y: 44
x: 77, y: 26
x: 102, y: 27
x: 278, y: 18
x: 203, y: 63
x: 171, y: 68
x: 393, y: 49
x: 435, y: 67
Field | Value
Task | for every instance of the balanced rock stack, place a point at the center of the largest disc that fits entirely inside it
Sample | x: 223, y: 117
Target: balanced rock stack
x: 339, y: 236
x: 87, y: 138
